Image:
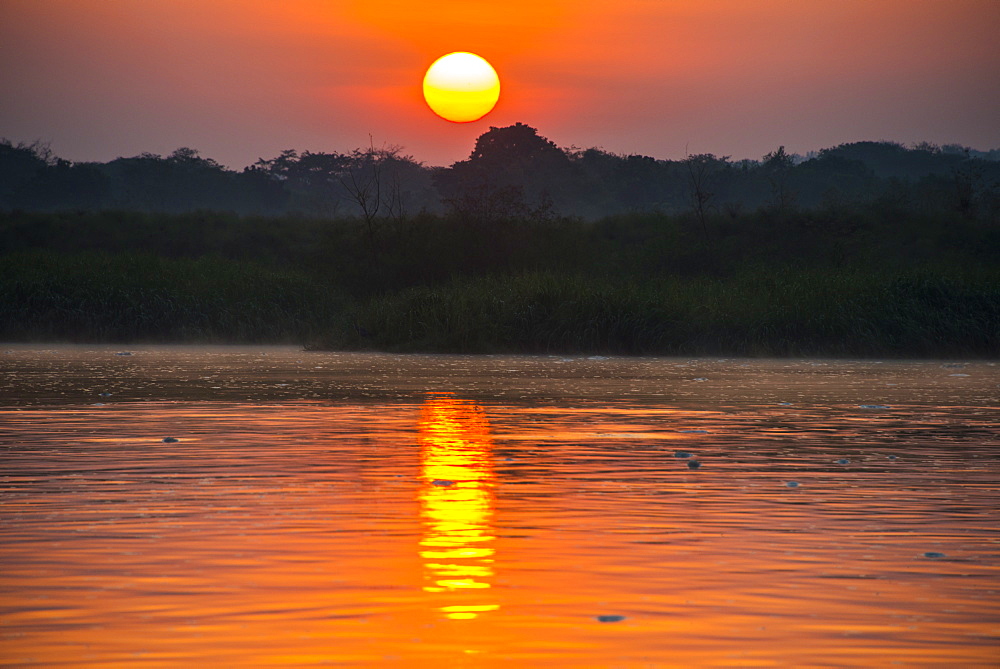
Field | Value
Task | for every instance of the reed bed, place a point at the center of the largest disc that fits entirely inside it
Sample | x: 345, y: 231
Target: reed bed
x: 756, y: 313
x: 862, y: 283
x: 96, y: 297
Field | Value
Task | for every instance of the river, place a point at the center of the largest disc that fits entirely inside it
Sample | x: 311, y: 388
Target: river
x: 266, y: 506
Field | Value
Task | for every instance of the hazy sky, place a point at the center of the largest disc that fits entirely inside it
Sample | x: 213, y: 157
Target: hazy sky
x: 243, y: 79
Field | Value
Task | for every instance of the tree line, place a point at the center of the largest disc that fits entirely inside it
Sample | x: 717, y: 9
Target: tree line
x: 513, y: 173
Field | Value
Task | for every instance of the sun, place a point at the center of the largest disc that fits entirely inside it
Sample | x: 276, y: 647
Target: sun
x: 461, y: 87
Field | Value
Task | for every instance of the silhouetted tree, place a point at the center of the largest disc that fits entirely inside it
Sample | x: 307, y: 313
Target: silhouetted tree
x: 777, y: 166
x: 512, y: 173
x: 260, y: 192
x: 182, y: 181
x: 890, y: 159
x: 313, y: 180
x: 700, y: 169
x: 370, y: 183
x: 19, y: 164
x: 64, y: 185
x: 363, y: 183
x: 515, y: 163
x: 974, y: 190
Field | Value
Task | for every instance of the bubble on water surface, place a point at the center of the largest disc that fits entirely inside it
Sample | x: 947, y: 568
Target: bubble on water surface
x: 700, y: 378
x: 610, y: 619
x: 874, y: 406
x: 104, y: 394
x: 442, y: 482
x: 892, y: 457
x: 958, y: 375
x: 934, y: 555
x: 170, y: 440
x: 792, y: 484
x: 843, y: 461
x: 694, y: 431
x: 681, y: 454
x: 693, y: 464
x: 124, y: 353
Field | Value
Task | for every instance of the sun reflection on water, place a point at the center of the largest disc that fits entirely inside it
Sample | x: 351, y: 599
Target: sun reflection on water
x: 456, y: 504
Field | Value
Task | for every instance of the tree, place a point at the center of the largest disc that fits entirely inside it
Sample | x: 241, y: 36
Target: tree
x: 183, y: 181
x: 973, y: 190
x: 517, y: 146
x: 700, y: 170
x: 777, y: 166
x: 371, y: 183
x: 363, y: 183
x: 64, y: 185
x: 19, y: 164
x: 511, y: 172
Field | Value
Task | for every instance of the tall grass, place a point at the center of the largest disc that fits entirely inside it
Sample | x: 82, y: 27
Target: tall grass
x: 140, y: 297
x: 779, y: 313
x: 802, y: 283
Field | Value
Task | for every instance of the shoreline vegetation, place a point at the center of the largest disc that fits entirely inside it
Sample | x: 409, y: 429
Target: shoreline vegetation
x: 868, y: 249
x: 859, y: 282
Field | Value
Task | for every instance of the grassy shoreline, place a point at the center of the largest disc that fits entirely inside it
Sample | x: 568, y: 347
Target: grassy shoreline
x: 863, y: 283
x: 133, y: 298
x: 791, y: 313
x: 126, y: 298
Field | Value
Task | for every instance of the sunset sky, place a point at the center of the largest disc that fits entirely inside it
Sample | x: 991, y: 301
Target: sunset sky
x: 244, y: 79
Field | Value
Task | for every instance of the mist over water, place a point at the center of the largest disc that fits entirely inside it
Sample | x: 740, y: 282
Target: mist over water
x: 273, y: 507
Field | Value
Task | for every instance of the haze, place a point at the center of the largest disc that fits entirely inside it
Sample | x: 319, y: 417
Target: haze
x: 244, y: 79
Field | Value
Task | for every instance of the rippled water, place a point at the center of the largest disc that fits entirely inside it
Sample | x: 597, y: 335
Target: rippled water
x: 379, y: 510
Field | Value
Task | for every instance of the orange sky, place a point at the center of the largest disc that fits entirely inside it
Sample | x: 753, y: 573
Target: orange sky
x: 243, y: 79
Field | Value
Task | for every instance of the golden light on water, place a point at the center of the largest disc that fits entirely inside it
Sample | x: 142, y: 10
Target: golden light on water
x: 456, y: 503
x: 292, y: 532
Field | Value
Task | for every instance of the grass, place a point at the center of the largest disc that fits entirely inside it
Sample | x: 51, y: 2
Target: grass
x: 806, y: 283
x: 755, y: 313
x: 144, y: 298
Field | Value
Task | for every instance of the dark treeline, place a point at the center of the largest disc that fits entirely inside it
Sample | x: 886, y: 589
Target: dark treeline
x: 868, y: 249
x: 511, y: 172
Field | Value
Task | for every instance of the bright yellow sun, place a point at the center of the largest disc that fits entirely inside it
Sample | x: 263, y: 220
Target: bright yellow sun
x: 461, y: 87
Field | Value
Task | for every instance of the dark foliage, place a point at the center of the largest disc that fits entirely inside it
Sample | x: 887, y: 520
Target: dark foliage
x: 511, y: 173
x: 87, y: 297
x: 864, y: 249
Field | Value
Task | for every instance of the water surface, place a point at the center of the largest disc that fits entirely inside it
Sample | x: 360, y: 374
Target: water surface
x: 380, y: 510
